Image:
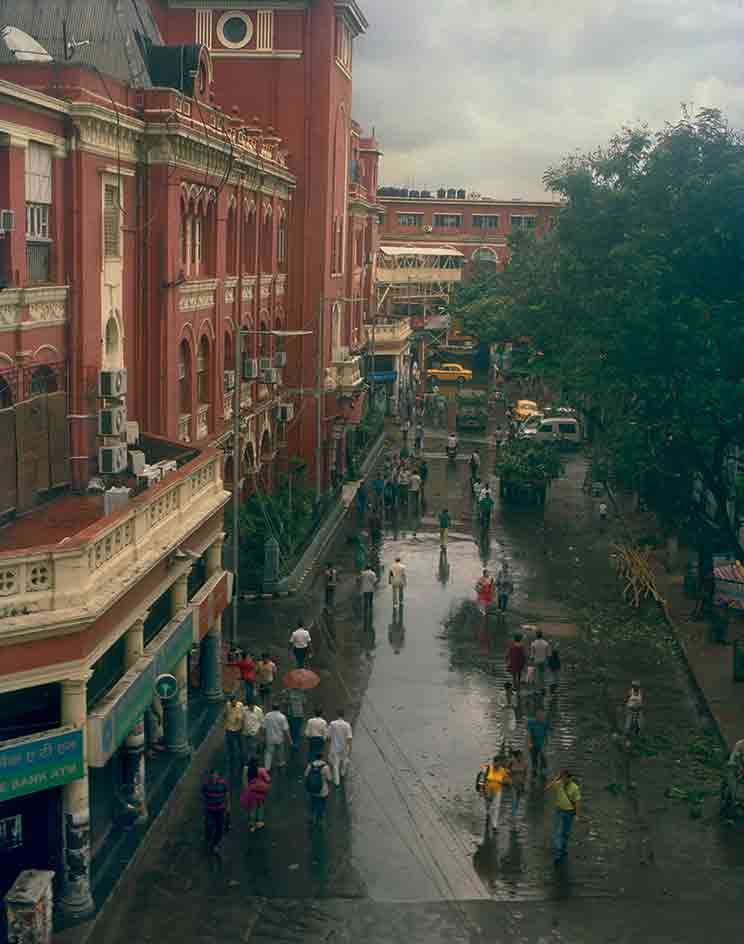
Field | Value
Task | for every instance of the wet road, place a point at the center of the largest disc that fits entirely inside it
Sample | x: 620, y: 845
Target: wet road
x: 403, y: 856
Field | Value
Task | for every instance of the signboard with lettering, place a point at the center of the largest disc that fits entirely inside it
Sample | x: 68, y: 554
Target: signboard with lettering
x: 112, y: 719
x: 41, y: 762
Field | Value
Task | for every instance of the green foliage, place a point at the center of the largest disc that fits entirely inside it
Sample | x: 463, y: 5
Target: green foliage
x: 527, y: 461
x: 635, y: 300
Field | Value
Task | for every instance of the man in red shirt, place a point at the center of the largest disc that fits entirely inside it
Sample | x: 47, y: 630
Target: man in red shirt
x: 248, y: 674
x: 516, y: 660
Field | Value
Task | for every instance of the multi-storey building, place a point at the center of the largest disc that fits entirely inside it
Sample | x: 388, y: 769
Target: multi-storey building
x: 141, y: 228
x: 287, y: 65
x: 478, y: 227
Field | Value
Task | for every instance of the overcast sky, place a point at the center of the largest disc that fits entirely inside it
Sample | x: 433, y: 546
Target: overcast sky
x: 486, y: 94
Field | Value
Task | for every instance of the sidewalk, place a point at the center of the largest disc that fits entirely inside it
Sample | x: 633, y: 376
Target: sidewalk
x: 710, y: 664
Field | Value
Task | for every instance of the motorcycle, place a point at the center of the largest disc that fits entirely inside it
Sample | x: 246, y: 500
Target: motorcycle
x: 452, y: 451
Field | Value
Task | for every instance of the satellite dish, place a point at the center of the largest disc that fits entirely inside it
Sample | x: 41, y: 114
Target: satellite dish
x: 22, y: 46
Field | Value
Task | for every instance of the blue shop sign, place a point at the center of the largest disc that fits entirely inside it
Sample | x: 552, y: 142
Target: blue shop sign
x: 47, y: 760
x: 382, y: 376
x: 112, y: 719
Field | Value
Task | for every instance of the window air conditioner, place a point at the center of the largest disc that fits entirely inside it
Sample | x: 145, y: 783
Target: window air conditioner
x: 286, y: 412
x: 112, y: 459
x: 136, y: 461
x: 112, y: 421
x: 132, y: 432
x: 7, y: 221
x: 112, y: 383
x: 229, y: 380
x: 270, y: 375
x: 250, y: 369
x: 265, y: 363
x: 280, y: 359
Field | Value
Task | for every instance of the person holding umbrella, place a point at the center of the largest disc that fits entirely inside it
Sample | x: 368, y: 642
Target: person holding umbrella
x: 296, y: 683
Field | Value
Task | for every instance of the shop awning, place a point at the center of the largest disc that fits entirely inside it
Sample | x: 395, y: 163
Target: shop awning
x: 420, y: 251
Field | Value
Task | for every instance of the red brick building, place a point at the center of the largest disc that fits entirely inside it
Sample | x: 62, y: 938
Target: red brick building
x: 478, y: 227
x: 161, y: 185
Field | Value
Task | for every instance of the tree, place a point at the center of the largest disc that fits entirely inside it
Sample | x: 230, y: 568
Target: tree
x: 636, y: 301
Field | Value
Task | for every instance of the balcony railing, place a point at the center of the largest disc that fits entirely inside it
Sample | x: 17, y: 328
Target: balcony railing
x: 38, y: 258
x: 391, y: 332
x: 95, y: 563
x: 346, y: 373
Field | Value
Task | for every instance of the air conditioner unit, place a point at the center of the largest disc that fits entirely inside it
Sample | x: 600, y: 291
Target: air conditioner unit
x: 112, y: 459
x: 112, y: 421
x: 112, y: 383
x: 280, y: 359
x: 136, y: 462
x: 264, y: 363
x: 428, y: 229
x: 286, y: 412
x: 166, y: 466
x: 7, y: 221
x: 229, y: 380
x: 132, y: 432
x: 270, y: 376
x: 250, y: 369
x: 114, y: 499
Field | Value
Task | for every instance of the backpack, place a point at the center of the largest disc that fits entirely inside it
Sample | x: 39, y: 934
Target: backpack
x: 314, y: 779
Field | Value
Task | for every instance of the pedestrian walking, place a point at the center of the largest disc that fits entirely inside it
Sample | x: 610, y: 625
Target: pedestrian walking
x: 634, y: 708
x: 216, y: 806
x: 414, y: 490
x: 485, y: 507
x: 397, y: 579
x: 603, y: 512
x: 361, y: 500
x: 444, y: 526
x: 516, y: 660
x: 504, y: 586
x: 567, y: 797
x: 418, y: 442
x: 276, y: 730
x: 339, y: 746
x: 424, y: 473
x: 375, y: 527
x: 404, y: 481
x: 489, y: 784
x: 517, y: 768
x: 300, y: 643
x: 247, y: 668
x: 367, y: 585
x: 507, y: 704
x: 331, y: 582
x: 537, y: 735
x: 554, y: 667
x: 484, y: 591
x: 404, y: 428
x: 318, y: 777
x: 474, y: 464
x: 539, y: 653
x: 265, y: 676
x: 316, y: 731
x: 253, y: 722
x: 294, y: 700
x: 233, y: 721
x: 253, y: 794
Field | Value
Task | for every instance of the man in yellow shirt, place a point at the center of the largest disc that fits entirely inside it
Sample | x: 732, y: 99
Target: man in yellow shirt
x: 491, y: 779
x: 567, y: 805
x: 233, y: 727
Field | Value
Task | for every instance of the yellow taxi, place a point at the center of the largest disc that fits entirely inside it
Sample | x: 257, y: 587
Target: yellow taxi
x: 525, y: 408
x: 450, y: 372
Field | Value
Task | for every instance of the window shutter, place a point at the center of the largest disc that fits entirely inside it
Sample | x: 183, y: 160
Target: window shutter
x: 38, y: 173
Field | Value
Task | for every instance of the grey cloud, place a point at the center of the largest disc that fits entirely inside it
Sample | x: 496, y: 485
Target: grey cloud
x: 488, y: 93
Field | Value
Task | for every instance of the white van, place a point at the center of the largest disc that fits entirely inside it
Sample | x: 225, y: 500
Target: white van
x: 562, y: 429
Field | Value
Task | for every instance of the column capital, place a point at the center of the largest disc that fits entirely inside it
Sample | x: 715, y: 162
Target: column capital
x: 76, y: 683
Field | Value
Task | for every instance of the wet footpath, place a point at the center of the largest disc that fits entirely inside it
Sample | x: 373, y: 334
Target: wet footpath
x: 404, y: 855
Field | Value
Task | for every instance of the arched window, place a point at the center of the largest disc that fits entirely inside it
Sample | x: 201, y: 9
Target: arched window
x: 281, y: 242
x: 249, y: 240
x: 43, y: 380
x: 249, y: 459
x: 264, y: 339
x: 202, y: 372
x: 231, y: 263
x: 184, y: 377
x: 6, y: 394
x: 112, y: 343
x: 229, y: 356
x: 267, y: 241
x: 485, y: 255
x: 336, y: 332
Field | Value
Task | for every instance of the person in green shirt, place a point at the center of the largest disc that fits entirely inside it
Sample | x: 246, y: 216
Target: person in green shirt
x: 444, y: 525
x: 567, y: 797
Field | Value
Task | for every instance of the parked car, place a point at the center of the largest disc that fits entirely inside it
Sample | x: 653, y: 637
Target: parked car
x: 561, y: 429
x: 454, y: 372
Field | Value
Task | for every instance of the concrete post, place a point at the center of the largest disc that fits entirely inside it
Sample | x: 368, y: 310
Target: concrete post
x: 180, y: 593
x: 76, y: 901
x: 175, y: 712
x: 211, y: 646
x: 134, y: 643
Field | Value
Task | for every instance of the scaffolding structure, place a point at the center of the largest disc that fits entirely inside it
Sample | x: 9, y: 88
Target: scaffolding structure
x: 416, y: 280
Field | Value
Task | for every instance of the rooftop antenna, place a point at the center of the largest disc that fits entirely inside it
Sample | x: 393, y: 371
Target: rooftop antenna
x: 71, y: 44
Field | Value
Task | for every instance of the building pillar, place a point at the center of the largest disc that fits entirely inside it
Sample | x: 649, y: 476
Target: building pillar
x: 180, y: 593
x: 134, y: 643
x: 211, y: 646
x: 76, y: 900
x: 175, y: 712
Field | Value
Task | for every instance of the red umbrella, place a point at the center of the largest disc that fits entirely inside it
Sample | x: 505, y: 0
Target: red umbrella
x: 301, y: 678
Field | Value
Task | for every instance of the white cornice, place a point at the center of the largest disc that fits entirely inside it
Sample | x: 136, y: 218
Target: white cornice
x: 32, y: 97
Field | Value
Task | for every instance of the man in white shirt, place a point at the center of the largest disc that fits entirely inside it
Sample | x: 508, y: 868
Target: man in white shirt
x: 276, y: 727
x: 367, y: 584
x: 414, y: 489
x: 539, y: 652
x: 253, y: 722
x: 339, y: 749
x: 316, y: 731
x: 397, y: 580
x: 299, y: 643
